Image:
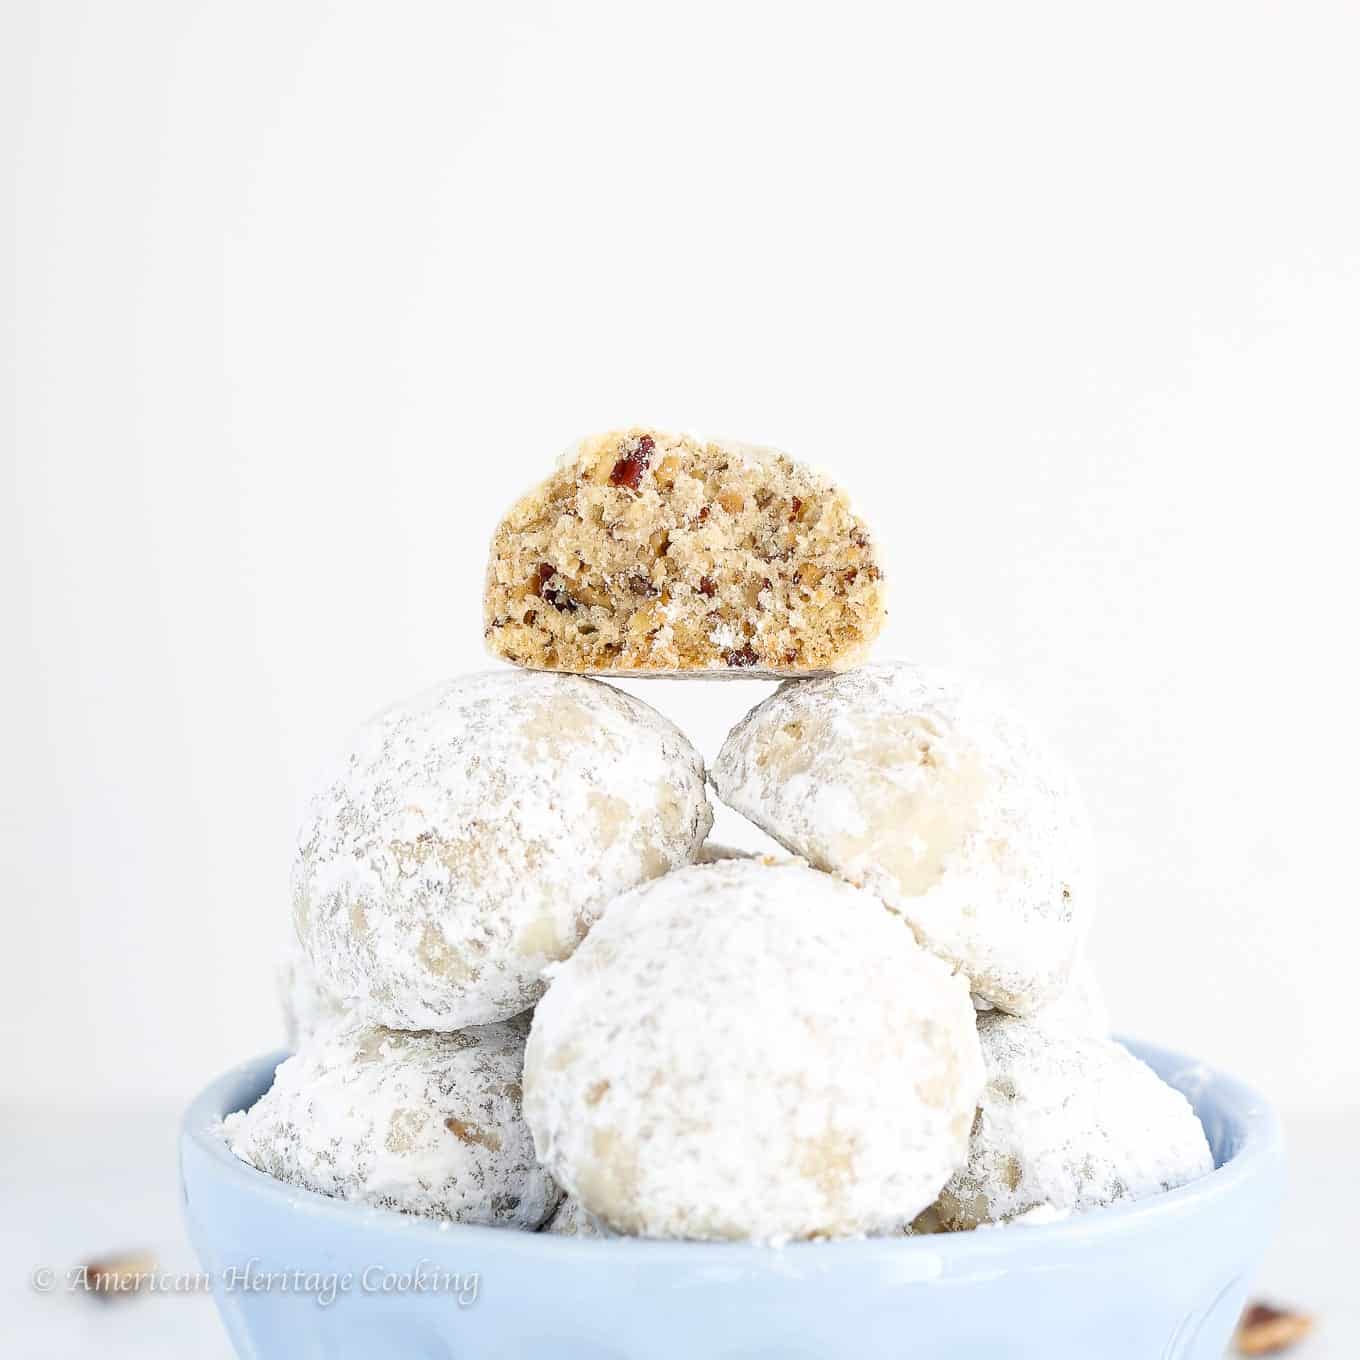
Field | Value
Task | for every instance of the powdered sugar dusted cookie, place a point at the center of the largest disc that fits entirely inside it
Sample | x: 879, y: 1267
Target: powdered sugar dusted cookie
x: 920, y: 790
x: 424, y: 1123
x: 472, y: 835
x: 307, y: 1006
x: 653, y: 552
x: 752, y: 1049
x: 1069, y: 1123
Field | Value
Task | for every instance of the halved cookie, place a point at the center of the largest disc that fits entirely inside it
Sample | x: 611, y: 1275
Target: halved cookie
x: 647, y: 552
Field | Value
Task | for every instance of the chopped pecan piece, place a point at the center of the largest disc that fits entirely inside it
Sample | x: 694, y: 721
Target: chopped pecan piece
x: 708, y: 586
x: 1267, y: 1330
x: 745, y: 656
x: 118, y: 1276
x: 559, y: 599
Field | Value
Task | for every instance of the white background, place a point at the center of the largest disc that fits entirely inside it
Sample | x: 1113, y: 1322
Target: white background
x: 304, y: 294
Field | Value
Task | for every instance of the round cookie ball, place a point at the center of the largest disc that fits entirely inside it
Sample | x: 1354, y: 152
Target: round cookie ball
x: 1068, y: 1123
x: 949, y: 810
x: 472, y: 835
x: 752, y: 1050
x: 423, y: 1123
x: 307, y: 1006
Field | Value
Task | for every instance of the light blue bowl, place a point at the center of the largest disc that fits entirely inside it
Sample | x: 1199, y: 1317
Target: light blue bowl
x: 1163, y: 1279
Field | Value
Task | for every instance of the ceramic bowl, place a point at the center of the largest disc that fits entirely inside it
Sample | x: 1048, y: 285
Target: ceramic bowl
x: 298, y: 1275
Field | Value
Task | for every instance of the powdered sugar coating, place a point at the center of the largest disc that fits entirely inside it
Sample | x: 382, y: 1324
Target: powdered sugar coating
x: 423, y: 1123
x: 752, y: 1049
x: 1071, y: 1123
x: 921, y: 790
x: 472, y: 835
x: 307, y: 1006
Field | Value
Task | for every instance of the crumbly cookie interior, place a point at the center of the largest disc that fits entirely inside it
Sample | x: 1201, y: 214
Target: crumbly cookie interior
x: 647, y: 551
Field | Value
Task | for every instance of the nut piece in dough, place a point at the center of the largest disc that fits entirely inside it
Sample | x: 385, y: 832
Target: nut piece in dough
x: 752, y: 1050
x: 1066, y: 1124
x: 423, y: 1123
x: 948, y: 809
x: 653, y: 552
x: 471, y: 836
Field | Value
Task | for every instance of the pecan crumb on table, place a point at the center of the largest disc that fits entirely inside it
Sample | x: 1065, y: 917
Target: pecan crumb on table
x: 118, y: 1276
x: 1267, y: 1330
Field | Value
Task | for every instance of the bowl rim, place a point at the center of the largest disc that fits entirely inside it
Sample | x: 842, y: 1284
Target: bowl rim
x: 1251, y: 1121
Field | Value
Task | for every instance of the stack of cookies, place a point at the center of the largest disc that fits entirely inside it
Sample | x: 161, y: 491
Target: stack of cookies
x: 526, y: 991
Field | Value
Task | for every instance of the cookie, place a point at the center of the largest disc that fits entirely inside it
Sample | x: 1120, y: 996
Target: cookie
x: 647, y: 552
x: 752, y: 1050
x: 470, y: 836
x: 423, y: 1123
x: 1066, y: 1124
x: 947, y: 808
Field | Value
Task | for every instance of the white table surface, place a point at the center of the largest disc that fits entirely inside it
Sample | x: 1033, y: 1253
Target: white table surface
x: 80, y: 1186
